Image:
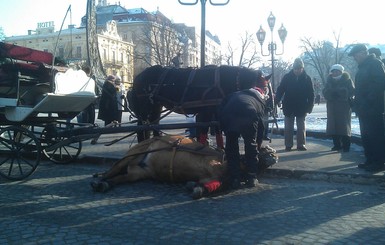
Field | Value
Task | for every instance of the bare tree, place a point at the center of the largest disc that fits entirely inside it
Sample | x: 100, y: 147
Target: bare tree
x: 247, y: 54
x: 319, y: 56
x: 162, y: 43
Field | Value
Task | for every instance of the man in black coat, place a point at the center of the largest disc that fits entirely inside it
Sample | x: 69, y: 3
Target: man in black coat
x: 242, y: 115
x: 297, y: 91
x: 108, y: 104
x: 369, y: 106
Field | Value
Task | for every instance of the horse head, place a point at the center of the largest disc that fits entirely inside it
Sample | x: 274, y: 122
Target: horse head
x: 140, y: 96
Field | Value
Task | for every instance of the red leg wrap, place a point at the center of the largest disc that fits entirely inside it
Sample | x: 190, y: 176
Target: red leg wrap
x: 202, y: 139
x: 212, y: 185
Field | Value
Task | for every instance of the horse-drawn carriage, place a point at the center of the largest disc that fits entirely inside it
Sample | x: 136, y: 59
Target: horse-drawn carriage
x: 36, y: 101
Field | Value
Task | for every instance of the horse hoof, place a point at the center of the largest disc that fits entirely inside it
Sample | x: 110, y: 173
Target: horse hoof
x: 94, y: 185
x: 100, y: 186
x: 190, y: 185
x: 197, y: 192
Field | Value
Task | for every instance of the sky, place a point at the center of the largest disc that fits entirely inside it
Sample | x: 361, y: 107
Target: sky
x: 353, y: 21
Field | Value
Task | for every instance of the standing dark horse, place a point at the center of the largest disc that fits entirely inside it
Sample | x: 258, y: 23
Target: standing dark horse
x: 186, y: 91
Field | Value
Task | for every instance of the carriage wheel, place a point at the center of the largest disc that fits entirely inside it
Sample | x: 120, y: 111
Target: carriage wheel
x: 62, y: 154
x: 19, y: 152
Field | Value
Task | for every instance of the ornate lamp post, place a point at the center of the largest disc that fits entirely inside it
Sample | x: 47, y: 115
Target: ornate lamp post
x: 272, y: 46
x: 203, y: 21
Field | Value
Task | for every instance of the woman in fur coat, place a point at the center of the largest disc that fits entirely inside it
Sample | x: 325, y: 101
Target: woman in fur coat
x: 338, y: 92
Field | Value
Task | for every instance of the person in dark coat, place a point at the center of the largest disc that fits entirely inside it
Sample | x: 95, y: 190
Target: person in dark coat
x: 242, y: 114
x: 339, y: 92
x: 297, y: 91
x: 108, y: 104
x: 369, y: 106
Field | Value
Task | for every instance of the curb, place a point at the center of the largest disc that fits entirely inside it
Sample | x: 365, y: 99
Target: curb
x: 355, y: 139
x: 363, y: 179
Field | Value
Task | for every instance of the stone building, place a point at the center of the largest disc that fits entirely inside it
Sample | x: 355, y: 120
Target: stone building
x: 156, y: 38
x: 129, y: 40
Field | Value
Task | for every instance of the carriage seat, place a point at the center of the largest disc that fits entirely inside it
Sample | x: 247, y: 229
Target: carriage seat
x: 25, y: 83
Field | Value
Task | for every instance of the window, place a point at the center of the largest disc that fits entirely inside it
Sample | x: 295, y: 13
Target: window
x: 61, y: 52
x: 78, y: 52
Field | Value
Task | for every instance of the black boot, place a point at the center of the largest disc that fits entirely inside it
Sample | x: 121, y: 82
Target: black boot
x: 336, y: 142
x: 346, y: 143
x: 251, y: 180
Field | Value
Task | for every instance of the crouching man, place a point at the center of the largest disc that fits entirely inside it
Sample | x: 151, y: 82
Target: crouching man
x: 241, y: 114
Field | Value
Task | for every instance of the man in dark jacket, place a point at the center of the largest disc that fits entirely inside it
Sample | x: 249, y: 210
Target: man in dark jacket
x: 242, y: 115
x: 296, y: 89
x: 369, y: 106
x: 108, y: 104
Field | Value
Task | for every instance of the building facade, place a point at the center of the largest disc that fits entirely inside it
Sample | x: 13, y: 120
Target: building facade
x: 129, y: 41
x: 71, y: 46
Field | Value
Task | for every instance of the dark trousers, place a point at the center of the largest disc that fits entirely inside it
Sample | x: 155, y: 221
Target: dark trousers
x: 233, y: 156
x: 341, y: 141
x: 373, y: 138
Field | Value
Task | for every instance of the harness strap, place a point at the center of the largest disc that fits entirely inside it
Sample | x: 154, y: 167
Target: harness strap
x: 217, y: 79
x: 189, y: 82
x: 171, y: 166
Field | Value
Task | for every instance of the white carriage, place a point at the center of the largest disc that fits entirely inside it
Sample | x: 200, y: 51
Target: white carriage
x: 37, y: 100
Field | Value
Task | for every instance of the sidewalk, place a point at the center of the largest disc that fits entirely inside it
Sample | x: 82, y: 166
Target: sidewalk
x: 318, y: 162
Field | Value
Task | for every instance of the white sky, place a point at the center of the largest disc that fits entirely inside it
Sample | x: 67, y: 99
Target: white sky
x: 356, y: 21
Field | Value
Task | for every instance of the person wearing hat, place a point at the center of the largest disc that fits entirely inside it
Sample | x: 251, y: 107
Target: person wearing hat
x: 377, y: 53
x: 338, y: 92
x: 121, y: 97
x: 297, y: 91
x: 108, y: 104
x: 241, y: 115
x: 369, y: 106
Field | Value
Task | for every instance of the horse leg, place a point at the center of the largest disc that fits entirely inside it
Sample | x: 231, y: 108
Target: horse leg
x: 132, y: 174
x: 219, y: 139
x: 154, y: 118
x: 202, y: 132
x: 141, y: 134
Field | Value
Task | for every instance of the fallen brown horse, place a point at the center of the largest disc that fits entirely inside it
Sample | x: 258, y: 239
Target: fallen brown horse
x: 173, y: 159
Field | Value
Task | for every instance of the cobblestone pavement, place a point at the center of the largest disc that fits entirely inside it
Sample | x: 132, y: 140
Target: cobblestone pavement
x: 57, y: 206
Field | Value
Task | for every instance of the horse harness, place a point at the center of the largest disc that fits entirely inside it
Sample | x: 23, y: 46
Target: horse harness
x: 182, y: 104
x: 174, y: 146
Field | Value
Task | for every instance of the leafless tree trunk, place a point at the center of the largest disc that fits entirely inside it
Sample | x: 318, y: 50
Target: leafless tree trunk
x: 247, y: 55
x: 161, y: 42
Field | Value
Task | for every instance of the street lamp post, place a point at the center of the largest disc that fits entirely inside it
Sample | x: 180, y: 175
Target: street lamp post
x: 203, y: 21
x: 272, y: 46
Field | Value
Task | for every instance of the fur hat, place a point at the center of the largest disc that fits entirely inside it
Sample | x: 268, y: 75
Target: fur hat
x: 298, y: 63
x: 337, y: 67
x: 358, y: 48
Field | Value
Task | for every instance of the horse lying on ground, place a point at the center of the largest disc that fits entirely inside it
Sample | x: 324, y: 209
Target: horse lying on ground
x: 175, y: 159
